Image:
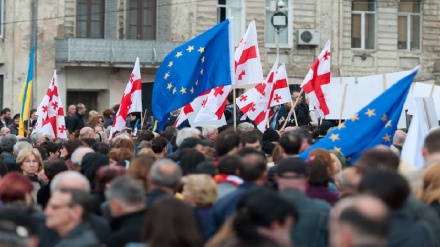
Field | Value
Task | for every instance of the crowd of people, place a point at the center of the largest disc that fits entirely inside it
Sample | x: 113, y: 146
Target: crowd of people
x: 210, y: 186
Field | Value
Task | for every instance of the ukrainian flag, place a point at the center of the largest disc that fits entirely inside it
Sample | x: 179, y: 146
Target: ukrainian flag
x: 26, y: 95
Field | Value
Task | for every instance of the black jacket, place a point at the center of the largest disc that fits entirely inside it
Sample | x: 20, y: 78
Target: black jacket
x: 127, y: 229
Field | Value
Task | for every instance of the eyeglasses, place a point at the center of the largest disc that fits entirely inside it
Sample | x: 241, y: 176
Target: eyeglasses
x: 100, y: 121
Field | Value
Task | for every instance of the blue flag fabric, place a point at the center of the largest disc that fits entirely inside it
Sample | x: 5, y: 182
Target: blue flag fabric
x: 198, y: 65
x: 373, y: 125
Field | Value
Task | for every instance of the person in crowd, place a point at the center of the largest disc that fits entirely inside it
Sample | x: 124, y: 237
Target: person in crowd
x: 4, y: 131
x: 253, y: 172
x: 90, y: 165
x: 318, y: 184
x: 210, y: 133
x: 127, y: 206
x: 5, y: 117
x: 71, y: 110
x: 67, y: 213
x: 163, y: 180
x: 206, y: 167
x: 32, y: 118
x: 263, y: 219
x: 393, y: 190
x: 17, y: 228
x: 227, y: 178
x: 251, y: 139
x: 139, y: 169
x: 7, y: 145
x: 174, y: 219
x: 159, y: 145
x: 125, y: 143
x: 345, y: 183
x: 200, y: 191
x: 16, y: 188
x: 37, y: 139
x: 51, y: 168
x: 97, y: 123
x: 228, y: 142
x: 86, y: 132
x: 69, y: 147
x: 108, y: 117
x: 102, y: 148
x: 134, y: 120
x: 78, y: 155
x: 332, y: 168
x: 120, y: 156
x: 430, y: 192
x: 30, y: 162
x: 398, y: 141
x: 14, y: 125
x: 361, y: 220
x: 92, y: 114
x: 189, y: 160
x: 180, y: 137
x: 52, y: 150
x: 244, y: 127
x: 170, y: 133
x: 104, y: 175
x: 301, y: 110
x: 311, y: 229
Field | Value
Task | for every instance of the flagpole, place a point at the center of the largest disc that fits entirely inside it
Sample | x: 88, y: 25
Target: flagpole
x: 342, y: 103
x: 235, y: 108
x: 292, y: 110
x: 142, y: 117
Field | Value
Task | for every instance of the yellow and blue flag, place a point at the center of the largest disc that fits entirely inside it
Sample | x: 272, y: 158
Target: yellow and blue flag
x: 373, y: 125
x: 203, y: 63
x: 26, y: 95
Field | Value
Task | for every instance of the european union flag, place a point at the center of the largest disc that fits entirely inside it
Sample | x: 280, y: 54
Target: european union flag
x: 373, y: 125
x: 200, y: 64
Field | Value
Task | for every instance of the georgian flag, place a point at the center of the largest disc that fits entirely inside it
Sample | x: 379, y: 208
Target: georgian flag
x: 281, y: 91
x: 51, y: 112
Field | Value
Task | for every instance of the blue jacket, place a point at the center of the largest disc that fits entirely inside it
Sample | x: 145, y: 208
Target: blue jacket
x: 226, y: 207
x: 311, y: 229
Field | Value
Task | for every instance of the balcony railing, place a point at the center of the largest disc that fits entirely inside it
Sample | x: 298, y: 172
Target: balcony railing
x: 112, y: 52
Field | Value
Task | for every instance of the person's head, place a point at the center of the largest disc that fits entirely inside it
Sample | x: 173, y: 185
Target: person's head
x: 430, y: 191
x: 399, y: 138
x: 37, y: 138
x: 206, y: 167
x: 254, y: 166
x: 195, y: 143
x: 199, y: 190
x: 229, y: 164
x: 66, y: 209
x: 81, y: 109
x: 78, y: 155
x: 377, y: 158
x: 292, y: 174
x: 297, y: 96
x: 139, y: 169
x: 431, y: 145
x: 145, y: 135
x: 290, y: 144
x: 15, y: 187
x: 387, y: 185
x: 210, y: 132
x: 125, y: 195
x: 69, y: 147
x: 72, y: 110
x: 52, y: 149
x: 6, y: 113
x: 53, y: 167
x: 93, y: 114
x: 170, y: 132
x: 165, y: 174
x: 251, y: 139
x: 16, y: 119
x: 30, y: 161
x: 159, y: 145
x: 101, y: 148
x: 20, y: 145
x: 108, y: 113
x: 8, y: 142
x: 228, y: 141
x: 359, y: 221
x: 125, y: 143
x: 96, y: 121
x: 70, y: 180
x: 90, y: 164
x: 5, y: 131
x: 104, y: 175
x: 244, y: 127
x: 318, y: 168
x: 185, y: 133
x: 86, y: 132
x: 117, y: 155
x: 189, y: 160
x: 262, y: 208
x: 348, y: 181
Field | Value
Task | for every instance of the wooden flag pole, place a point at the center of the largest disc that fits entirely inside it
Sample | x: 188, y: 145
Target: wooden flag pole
x: 235, y: 108
x: 432, y: 89
x: 292, y: 109
x: 384, y: 81
x: 342, y: 103
x: 425, y: 108
x: 142, y: 118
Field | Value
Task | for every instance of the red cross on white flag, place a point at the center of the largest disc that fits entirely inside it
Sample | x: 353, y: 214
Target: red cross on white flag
x: 51, y: 112
x: 317, y: 82
x: 131, y: 100
x: 281, y: 91
x: 256, y: 101
x: 247, y: 59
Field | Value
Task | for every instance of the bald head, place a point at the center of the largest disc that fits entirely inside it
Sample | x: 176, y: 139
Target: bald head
x: 5, y: 131
x: 86, y: 132
x: 399, y: 137
x: 358, y: 221
x: 165, y: 173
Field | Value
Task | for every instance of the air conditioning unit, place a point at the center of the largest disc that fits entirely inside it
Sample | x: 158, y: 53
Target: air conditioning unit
x: 308, y: 37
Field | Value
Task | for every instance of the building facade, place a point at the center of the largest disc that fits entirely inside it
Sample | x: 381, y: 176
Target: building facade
x: 93, y: 43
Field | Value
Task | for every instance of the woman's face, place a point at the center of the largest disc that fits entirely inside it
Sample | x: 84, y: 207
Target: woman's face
x: 100, y: 122
x: 187, y: 197
x: 63, y: 153
x: 30, y: 165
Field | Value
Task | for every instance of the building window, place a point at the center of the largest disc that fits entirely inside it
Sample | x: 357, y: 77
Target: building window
x: 90, y: 18
x: 363, y: 24
x: 236, y: 9
x: 409, y: 25
x: 286, y: 35
x: 141, y: 19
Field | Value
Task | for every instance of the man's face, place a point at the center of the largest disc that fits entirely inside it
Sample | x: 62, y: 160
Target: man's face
x: 8, y: 115
x: 72, y: 110
x: 5, y: 131
x: 82, y: 109
x: 58, y: 211
x: 256, y: 145
x: 214, y: 135
x: 16, y: 121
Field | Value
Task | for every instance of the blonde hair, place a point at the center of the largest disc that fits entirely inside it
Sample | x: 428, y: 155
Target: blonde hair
x: 146, y: 150
x: 431, y: 184
x: 26, y: 152
x: 140, y: 168
x: 203, y: 189
x: 93, y: 113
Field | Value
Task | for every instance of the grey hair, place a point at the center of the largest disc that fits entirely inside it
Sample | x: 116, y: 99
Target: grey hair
x: 162, y: 178
x: 20, y: 145
x: 208, y: 130
x: 399, y: 138
x: 185, y: 133
x: 126, y: 190
x: 78, y: 155
x: 68, y: 175
x: 245, y: 126
x: 36, y: 137
x: 8, y: 142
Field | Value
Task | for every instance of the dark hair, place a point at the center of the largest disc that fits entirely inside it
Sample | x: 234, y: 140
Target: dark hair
x: 432, y: 141
x: 377, y: 227
x: 189, y: 160
x: 226, y: 141
x: 81, y: 198
x: 378, y: 159
x: 16, y: 116
x: 318, y: 169
x: 43, y: 152
x: 249, y: 137
x: 206, y: 167
x: 145, y: 135
x: 101, y: 148
x: 4, y: 111
x: 51, y: 147
x: 70, y: 146
x: 158, y: 144
x: 290, y: 142
x: 303, y: 134
x: 53, y: 167
x: 105, y: 175
x: 171, y: 222
x: 387, y: 185
x: 90, y: 164
x: 3, y: 168
x: 259, y: 207
x: 229, y: 164
x: 169, y: 132
x: 14, y: 187
x: 253, y: 166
